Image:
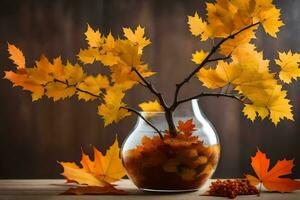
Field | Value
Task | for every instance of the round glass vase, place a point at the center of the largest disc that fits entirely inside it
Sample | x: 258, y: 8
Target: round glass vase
x: 172, y: 164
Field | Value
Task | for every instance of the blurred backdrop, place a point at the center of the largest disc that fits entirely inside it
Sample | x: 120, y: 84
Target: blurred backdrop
x: 33, y: 136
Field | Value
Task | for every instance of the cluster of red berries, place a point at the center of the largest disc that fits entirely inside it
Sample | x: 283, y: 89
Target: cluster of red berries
x: 232, y: 188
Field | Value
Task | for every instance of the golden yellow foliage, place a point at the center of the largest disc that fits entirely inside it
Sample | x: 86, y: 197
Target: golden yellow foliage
x: 151, y: 106
x: 59, y: 81
x: 199, y: 56
x: 93, y: 37
x: 273, y: 103
x: 93, y: 84
x: 198, y: 27
x: 111, y: 110
x: 289, y: 64
x: 233, y: 65
x: 137, y: 37
x: 250, y: 77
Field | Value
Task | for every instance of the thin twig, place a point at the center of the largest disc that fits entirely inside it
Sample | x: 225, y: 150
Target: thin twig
x: 78, y: 89
x: 217, y: 59
x: 147, y: 121
x: 151, y: 88
x: 142, y: 84
x: 211, y: 95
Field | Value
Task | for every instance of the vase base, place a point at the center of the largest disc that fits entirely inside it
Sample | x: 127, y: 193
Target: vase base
x: 168, y: 191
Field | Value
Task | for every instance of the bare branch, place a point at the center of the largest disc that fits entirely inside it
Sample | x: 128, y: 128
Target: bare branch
x: 203, y: 94
x: 151, y: 88
x: 141, y: 116
x: 217, y: 59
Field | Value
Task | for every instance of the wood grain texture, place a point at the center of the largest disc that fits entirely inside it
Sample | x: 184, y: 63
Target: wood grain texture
x: 33, y: 136
x: 51, y: 189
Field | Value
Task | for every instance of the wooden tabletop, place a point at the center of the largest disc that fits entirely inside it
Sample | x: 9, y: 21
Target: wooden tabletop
x: 51, y: 190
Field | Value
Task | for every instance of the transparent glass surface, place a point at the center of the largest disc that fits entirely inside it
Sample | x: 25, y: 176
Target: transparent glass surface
x: 179, y: 164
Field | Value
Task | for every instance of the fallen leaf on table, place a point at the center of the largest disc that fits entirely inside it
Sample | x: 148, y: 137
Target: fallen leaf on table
x: 100, y: 172
x: 94, y: 190
x: 271, y: 179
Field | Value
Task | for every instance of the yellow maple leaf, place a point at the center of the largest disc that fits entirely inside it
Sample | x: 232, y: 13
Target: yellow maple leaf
x: 198, y: 27
x: 93, y: 85
x: 223, y: 75
x: 270, y: 19
x: 289, y: 64
x: 109, y: 167
x: 93, y: 37
x: 220, y: 17
x: 238, y: 42
x: 88, y: 56
x: 128, y: 53
x: 151, y: 106
x: 59, y: 91
x: 137, y: 37
x: 16, y: 55
x: 101, y: 171
x: 199, y: 56
x: 108, y: 59
x: 272, y: 103
x: 42, y: 73
x: 73, y: 73
x: 111, y: 110
x: 109, y: 44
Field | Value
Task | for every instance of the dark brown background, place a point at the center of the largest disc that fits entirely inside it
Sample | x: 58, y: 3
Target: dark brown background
x: 33, y: 136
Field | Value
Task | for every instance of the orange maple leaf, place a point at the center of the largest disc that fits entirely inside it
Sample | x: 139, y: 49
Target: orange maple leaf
x: 271, y: 179
x: 97, y: 174
x: 186, y: 127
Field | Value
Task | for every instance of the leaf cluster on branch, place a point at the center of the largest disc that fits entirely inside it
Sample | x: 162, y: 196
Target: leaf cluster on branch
x: 233, y: 67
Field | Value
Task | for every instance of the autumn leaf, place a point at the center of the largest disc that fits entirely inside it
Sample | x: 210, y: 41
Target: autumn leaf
x: 270, y: 19
x: 59, y: 91
x: 92, y: 85
x: 221, y: 18
x: 186, y: 127
x: 94, y: 190
x: 109, y: 166
x: 272, y: 179
x: 289, y: 64
x: 74, y: 74
x: 242, y: 40
x: 21, y: 79
x: 137, y: 37
x: 111, y: 110
x: 151, y: 106
x: 88, y: 56
x: 273, y: 103
x: 223, y: 75
x: 198, y: 27
x: 93, y: 37
x: 101, y: 171
x: 16, y: 55
x: 199, y: 56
